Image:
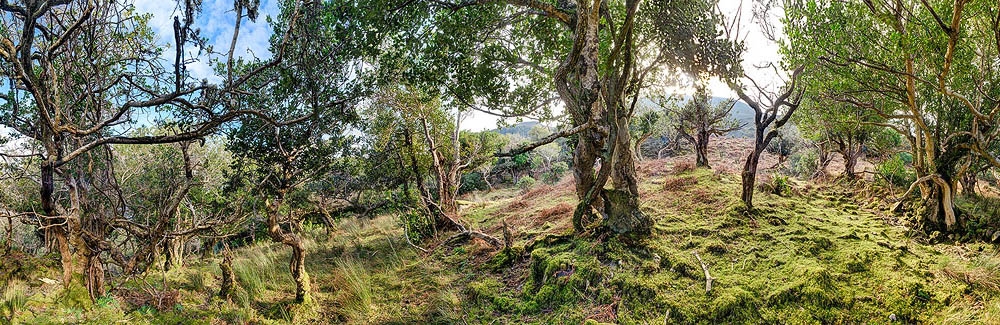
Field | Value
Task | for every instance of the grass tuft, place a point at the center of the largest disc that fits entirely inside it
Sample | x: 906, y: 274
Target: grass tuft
x: 356, y: 293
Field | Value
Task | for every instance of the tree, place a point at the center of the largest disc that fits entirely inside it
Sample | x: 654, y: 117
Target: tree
x: 921, y: 69
x: 78, y: 70
x: 848, y: 129
x: 648, y: 124
x: 423, y: 128
x: 171, y: 193
x: 598, y: 75
x: 307, y: 122
x: 704, y: 119
x: 772, y: 110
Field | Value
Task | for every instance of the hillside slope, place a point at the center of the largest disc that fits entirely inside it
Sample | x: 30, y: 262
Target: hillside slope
x: 818, y: 254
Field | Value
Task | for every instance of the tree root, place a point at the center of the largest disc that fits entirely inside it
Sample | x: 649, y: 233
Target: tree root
x: 493, y: 241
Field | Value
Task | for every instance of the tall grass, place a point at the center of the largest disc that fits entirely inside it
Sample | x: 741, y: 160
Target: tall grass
x: 264, y: 269
x: 357, y: 295
x: 14, y: 298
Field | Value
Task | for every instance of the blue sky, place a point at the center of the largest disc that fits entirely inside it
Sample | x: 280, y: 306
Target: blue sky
x: 217, y: 19
x: 216, y: 22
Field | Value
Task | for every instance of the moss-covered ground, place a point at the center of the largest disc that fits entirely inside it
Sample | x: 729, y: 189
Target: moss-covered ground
x: 817, y: 254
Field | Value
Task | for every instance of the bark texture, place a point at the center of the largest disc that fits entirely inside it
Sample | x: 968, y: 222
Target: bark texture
x: 297, y: 263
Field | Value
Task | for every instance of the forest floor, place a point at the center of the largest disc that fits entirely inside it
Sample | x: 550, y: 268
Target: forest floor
x: 819, y: 253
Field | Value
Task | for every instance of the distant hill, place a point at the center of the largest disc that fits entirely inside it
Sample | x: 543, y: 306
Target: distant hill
x: 741, y: 112
x: 519, y: 128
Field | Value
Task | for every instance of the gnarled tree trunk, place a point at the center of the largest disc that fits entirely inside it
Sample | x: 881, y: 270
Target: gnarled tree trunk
x: 969, y: 181
x: 749, y: 178
x: 228, y: 285
x: 173, y: 249
x: 701, y: 149
x: 297, y: 264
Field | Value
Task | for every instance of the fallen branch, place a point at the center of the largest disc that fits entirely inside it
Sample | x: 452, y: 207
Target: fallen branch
x: 493, y: 241
x: 406, y: 234
x: 708, y: 277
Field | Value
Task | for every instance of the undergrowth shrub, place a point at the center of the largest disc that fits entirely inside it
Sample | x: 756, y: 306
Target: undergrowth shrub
x: 472, y: 182
x: 775, y: 184
x: 556, y: 172
x: 895, y: 172
x: 781, y: 185
x: 17, y: 264
x: 804, y: 163
x: 785, y: 144
x: 982, y: 217
x: 525, y: 183
x: 416, y: 225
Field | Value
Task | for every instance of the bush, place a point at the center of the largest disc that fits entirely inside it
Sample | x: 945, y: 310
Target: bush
x: 804, y: 163
x: 894, y: 171
x: 558, y: 169
x: 883, y: 143
x: 472, y: 182
x: 780, y: 185
x: 416, y: 225
x: 787, y: 142
x: 525, y: 183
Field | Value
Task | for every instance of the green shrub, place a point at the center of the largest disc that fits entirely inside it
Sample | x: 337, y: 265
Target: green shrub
x: 804, y: 163
x: 472, y: 182
x: 416, y: 225
x: 525, y: 183
x: 780, y: 185
x: 558, y: 169
x: 895, y: 172
x: 787, y: 142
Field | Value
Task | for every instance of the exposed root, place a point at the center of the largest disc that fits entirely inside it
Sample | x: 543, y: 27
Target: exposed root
x: 493, y: 241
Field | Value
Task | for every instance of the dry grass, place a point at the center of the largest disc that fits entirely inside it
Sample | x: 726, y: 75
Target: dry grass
x: 653, y: 167
x: 560, y: 210
x: 683, y: 166
x: 984, y: 274
x: 517, y: 204
x: 158, y: 299
x: 678, y: 183
x: 537, y: 192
